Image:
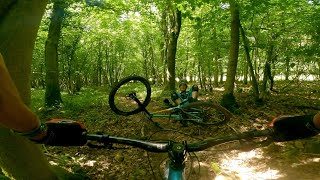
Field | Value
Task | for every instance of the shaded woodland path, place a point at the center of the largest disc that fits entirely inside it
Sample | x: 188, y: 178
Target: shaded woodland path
x: 276, y: 161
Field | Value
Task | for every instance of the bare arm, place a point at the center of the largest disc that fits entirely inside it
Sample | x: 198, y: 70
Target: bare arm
x: 14, y: 114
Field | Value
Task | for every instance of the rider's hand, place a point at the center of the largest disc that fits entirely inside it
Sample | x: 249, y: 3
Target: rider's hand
x: 289, y: 128
x: 62, y: 132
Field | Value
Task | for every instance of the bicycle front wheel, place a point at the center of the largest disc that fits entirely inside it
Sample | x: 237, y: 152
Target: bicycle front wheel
x: 207, y: 113
x: 120, y: 97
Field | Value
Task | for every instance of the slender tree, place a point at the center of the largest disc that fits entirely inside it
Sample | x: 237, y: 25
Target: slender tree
x: 53, y: 95
x: 254, y: 81
x: 228, y: 99
x: 175, y: 26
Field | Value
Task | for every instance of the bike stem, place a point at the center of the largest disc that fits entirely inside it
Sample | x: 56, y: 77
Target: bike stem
x: 177, y: 153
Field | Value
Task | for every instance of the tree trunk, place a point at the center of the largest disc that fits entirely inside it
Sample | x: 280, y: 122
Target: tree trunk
x: 287, y: 73
x: 153, y: 66
x: 42, y: 81
x: 19, y: 22
x: 216, y: 59
x: 228, y: 99
x: 107, y: 60
x: 53, y: 95
x: 74, y: 77
x: 216, y: 71
x: 245, y: 74
x: 164, y: 45
x: 204, y: 79
x: 175, y: 20
x: 210, y: 74
x: 267, y: 71
x: 99, y: 65
x: 199, y: 75
x: 185, y: 71
x: 221, y: 72
x: 255, y: 85
x: 145, y: 61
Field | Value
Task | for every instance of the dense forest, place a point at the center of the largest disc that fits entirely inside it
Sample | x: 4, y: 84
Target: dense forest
x: 259, y: 59
x: 96, y: 44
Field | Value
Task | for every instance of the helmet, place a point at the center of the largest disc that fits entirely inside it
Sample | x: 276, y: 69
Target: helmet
x: 183, y: 83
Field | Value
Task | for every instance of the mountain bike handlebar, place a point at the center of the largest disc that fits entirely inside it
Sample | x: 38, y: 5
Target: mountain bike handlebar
x: 167, y: 146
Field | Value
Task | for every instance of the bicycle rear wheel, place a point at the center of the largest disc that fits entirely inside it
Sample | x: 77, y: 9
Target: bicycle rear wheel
x: 121, y: 103
x: 207, y: 113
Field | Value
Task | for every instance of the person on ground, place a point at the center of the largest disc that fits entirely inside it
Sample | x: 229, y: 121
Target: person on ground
x: 183, y: 97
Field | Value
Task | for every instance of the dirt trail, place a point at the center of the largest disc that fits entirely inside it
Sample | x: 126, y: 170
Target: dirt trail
x: 282, y: 161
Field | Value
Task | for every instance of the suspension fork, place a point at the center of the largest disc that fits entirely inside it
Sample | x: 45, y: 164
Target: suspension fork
x: 133, y: 96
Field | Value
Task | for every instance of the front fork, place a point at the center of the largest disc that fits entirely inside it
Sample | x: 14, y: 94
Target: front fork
x: 133, y: 96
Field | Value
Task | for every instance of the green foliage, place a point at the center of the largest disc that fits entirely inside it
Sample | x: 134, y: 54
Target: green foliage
x: 103, y: 41
x: 215, y: 167
x: 73, y: 104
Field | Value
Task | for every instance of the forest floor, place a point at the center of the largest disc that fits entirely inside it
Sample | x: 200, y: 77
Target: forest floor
x: 284, y: 161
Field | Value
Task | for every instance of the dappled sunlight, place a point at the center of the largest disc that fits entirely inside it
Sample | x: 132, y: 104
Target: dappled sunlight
x: 246, y: 166
x: 98, y: 162
x: 307, y: 161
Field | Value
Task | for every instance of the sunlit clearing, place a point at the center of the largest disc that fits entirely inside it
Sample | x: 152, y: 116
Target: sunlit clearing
x: 219, y: 89
x: 246, y: 166
x: 303, y: 77
x: 53, y: 163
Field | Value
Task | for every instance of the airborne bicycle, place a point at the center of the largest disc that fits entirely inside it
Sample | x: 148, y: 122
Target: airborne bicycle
x: 132, y: 95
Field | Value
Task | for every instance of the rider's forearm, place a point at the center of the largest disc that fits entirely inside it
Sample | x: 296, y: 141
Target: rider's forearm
x: 14, y: 114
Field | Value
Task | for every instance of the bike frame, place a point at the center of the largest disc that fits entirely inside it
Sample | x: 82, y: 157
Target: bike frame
x: 179, y: 115
x: 192, y: 113
x: 192, y: 116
